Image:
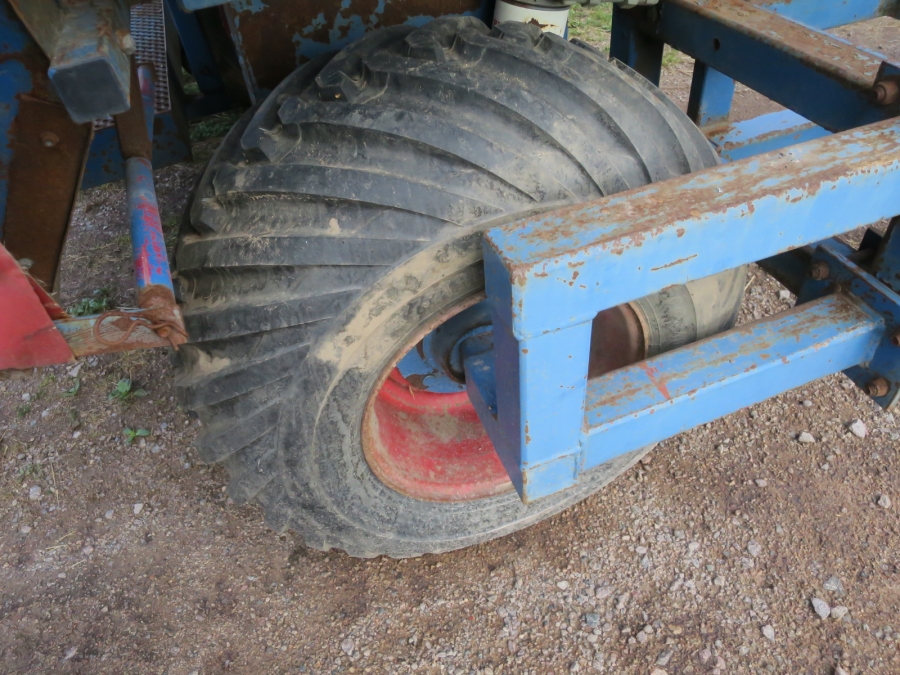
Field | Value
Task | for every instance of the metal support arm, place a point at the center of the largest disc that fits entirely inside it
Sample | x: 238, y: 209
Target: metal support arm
x: 547, y: 277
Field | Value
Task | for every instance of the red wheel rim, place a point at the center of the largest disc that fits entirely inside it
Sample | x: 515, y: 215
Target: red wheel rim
x: 432, y: 446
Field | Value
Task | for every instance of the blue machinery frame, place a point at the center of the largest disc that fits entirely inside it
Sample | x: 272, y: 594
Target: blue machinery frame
x: 548, y: 276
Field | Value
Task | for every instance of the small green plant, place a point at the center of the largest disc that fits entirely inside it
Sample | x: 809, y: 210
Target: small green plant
x: 170, y: 227
x: 23, y: 410
x: 132, y: 434
x: 594, y: 24
x: 671, y: 57
x: 125, y: 391
x: 46, y: 381
x: 591, y: 24
x: 188, y: 84
x: 214, y: 125
x: 97, y: 303
x: 74, y: 389
x: 33, y: 470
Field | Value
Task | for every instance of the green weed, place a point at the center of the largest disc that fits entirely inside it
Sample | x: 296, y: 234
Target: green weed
x: 132, y: 434
x: 214, y: 125
x: 76, y: 387
x: 125, y: 391
x: 33, y: 470
x: 97, y: 303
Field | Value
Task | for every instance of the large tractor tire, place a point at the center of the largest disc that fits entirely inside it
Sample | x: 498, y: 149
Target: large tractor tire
x: 340, y: 224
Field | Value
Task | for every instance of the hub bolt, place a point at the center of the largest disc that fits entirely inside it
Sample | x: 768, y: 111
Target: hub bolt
x: 878, y: 387
x: 819, y: 271
x: 887, y: 92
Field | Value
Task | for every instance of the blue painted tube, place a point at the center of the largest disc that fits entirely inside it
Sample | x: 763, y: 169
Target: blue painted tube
x: 151, y: 264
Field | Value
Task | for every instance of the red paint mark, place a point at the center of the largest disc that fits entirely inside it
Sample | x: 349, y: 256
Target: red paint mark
x: 660, y: 383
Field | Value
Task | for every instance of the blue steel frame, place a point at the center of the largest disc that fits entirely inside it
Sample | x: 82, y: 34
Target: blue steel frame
x: 548, y: 276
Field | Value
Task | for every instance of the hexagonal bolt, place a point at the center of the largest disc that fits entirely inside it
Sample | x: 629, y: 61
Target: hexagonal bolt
x: 877, y: 387
x: 819, y: 271
x: 886, y: 92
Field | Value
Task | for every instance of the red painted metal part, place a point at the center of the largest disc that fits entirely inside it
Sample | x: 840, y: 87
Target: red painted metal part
x: 28, y: 337
x: 431, y: 446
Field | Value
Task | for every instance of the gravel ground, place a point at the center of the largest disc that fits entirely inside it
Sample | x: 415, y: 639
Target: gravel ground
x: 765, y: 542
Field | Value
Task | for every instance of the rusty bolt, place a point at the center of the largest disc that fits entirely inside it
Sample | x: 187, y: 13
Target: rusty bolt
x: 877, y: 387
x: 49, y: 139
x: 819, y: 271
x: 886, y: 92
x: 895, y: 339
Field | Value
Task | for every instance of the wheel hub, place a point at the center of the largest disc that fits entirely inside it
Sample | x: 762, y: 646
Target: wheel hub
x: 421, y: 434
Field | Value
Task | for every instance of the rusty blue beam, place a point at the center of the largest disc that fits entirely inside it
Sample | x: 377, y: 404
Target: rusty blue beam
x: 663, y: 396
x: 762, y: 134
x: 563, y: 267
x: 818, y: 75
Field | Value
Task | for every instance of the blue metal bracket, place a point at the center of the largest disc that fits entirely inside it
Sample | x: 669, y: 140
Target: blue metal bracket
x: 712, y: 92
x: 711, y: 96
x: 827, y: 80
x: 763, y: 134
x: 548, y: 276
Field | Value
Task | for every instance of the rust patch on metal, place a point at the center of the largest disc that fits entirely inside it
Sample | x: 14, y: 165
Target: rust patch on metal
x: 131, y: 125
x: 645, y: 213
x: 823, y: 52
x: 43, y: 182
x: 674, y: 262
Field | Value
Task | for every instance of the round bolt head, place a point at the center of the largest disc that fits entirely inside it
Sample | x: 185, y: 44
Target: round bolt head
x: 887, y: 92
x: 49, y: 139
x: 878, y: 387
